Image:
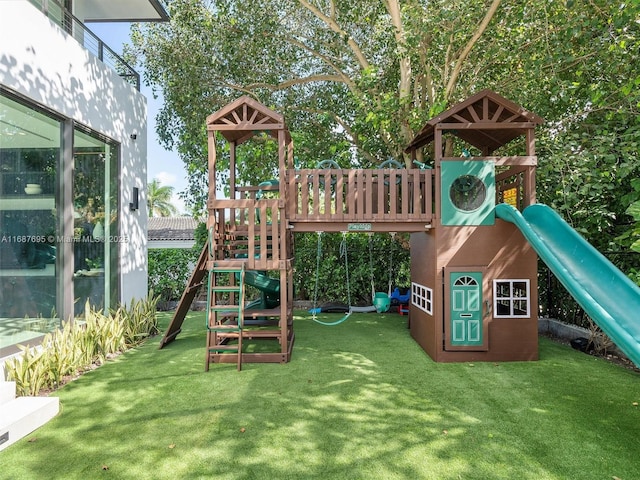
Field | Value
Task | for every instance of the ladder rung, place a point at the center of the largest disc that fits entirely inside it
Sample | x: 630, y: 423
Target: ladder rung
x: 224, y: 349
x: 225, y: 326
x: 233, y: 328
x: 226, y: 288
x: 228, y: 335
x: 225, y: 269
x: 225, y: 333
x: 222, y: 328
x: 231, y: 266
x: 221, y: 324
x: 232, y: 309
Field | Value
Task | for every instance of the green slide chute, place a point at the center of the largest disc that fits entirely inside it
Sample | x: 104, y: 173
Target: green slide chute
x: 606, y: 294
x: 270, y: 288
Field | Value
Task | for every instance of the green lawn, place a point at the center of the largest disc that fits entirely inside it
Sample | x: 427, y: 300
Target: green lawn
x: 358, y: 401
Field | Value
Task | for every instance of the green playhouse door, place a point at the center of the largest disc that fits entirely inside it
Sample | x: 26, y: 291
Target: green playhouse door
x: 466, y: 309
x: 468, y: 192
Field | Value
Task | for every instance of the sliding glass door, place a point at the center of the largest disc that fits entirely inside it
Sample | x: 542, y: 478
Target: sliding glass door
x: 30, y: 156
x: 95, y: 189
x: 58, y: 221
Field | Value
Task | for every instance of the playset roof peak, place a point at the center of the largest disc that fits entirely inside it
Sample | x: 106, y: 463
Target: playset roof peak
x: 485, y: 120
x: 241, y: 119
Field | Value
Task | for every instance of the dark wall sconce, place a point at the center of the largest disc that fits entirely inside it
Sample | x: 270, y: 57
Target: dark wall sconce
x: 133, y: 205
x: 133, y: 136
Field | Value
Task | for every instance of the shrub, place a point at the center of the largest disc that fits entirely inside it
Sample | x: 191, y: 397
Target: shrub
x: 634, y: 275
x: 79, y: 345
x: 384, y: 256
x: 27, y: 370
x: 169, y: 271
x: 139, y: 320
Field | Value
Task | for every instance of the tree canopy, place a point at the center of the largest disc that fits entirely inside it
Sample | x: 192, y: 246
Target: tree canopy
x: 357, y: 79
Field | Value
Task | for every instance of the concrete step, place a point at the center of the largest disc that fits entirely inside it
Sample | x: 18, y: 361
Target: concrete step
x: 7, y: 391
x: 22, y: 415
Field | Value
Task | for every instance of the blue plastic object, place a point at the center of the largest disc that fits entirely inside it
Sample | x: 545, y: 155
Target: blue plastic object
x: 402, y: 299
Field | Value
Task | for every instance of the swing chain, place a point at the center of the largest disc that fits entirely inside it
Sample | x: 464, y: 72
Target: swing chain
x: 315, y: 291
x: 373, y: 285
x: 343, y: 252
x: 393, y: 246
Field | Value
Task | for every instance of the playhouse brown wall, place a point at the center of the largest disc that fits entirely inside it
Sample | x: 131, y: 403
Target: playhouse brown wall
x: 423, y: 327
x: 501, y: 252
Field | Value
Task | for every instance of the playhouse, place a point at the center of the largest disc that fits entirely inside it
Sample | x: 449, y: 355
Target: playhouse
x: 474, y: 289
x: 474, y: 293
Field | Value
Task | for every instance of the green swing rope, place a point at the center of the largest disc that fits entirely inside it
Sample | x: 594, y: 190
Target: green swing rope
x: 373, y: 285
x: 315, y: 290
x: 343, y: 251
x: 393, y: 248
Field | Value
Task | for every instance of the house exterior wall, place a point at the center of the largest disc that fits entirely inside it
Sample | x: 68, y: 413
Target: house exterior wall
x: 165, y: 244
x: 40, y: 62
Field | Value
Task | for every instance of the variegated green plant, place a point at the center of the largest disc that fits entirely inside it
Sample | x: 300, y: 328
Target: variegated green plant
x: 27, y: 370
x: 80, y: 344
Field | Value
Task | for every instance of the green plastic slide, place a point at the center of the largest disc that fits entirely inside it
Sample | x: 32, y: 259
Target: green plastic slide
x: 606, y: 294
x: 262, y: 282
x: 270, y: 287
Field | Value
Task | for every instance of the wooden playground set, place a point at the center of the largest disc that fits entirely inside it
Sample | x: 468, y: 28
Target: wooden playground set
x: 473, y: 293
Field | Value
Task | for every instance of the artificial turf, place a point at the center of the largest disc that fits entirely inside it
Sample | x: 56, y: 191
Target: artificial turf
x: 360, y: 400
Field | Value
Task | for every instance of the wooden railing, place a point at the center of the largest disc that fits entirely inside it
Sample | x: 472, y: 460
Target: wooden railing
x: 346, y: 196
x: 250, y: 231
x: 254, y: 230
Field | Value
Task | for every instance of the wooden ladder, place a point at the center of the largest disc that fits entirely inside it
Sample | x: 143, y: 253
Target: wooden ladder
x: 225, y: 322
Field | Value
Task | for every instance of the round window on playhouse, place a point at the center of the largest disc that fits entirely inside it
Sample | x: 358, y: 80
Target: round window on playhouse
x: 468, y: 193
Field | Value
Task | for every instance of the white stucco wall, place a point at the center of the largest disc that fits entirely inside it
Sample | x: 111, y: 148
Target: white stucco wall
x: 163, y: 244
x: 40, y: 61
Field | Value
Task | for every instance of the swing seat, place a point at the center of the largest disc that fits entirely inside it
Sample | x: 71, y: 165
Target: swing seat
x: 382, y: 302
x: 366, y: 309
x: 331, y: 307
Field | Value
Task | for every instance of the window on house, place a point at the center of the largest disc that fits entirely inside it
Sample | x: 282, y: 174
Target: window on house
x: 30, y: 156
x: 95, y: 213
x: 422, y: 297
x: 511, y: 298
x: 38, y: 224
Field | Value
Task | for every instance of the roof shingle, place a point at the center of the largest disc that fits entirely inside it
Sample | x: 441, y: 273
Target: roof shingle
x: 171, y: 228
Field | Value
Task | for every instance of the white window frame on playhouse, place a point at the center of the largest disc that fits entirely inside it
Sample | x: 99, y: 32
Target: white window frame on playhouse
x: 511, y: 299
x: 422, y: 297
